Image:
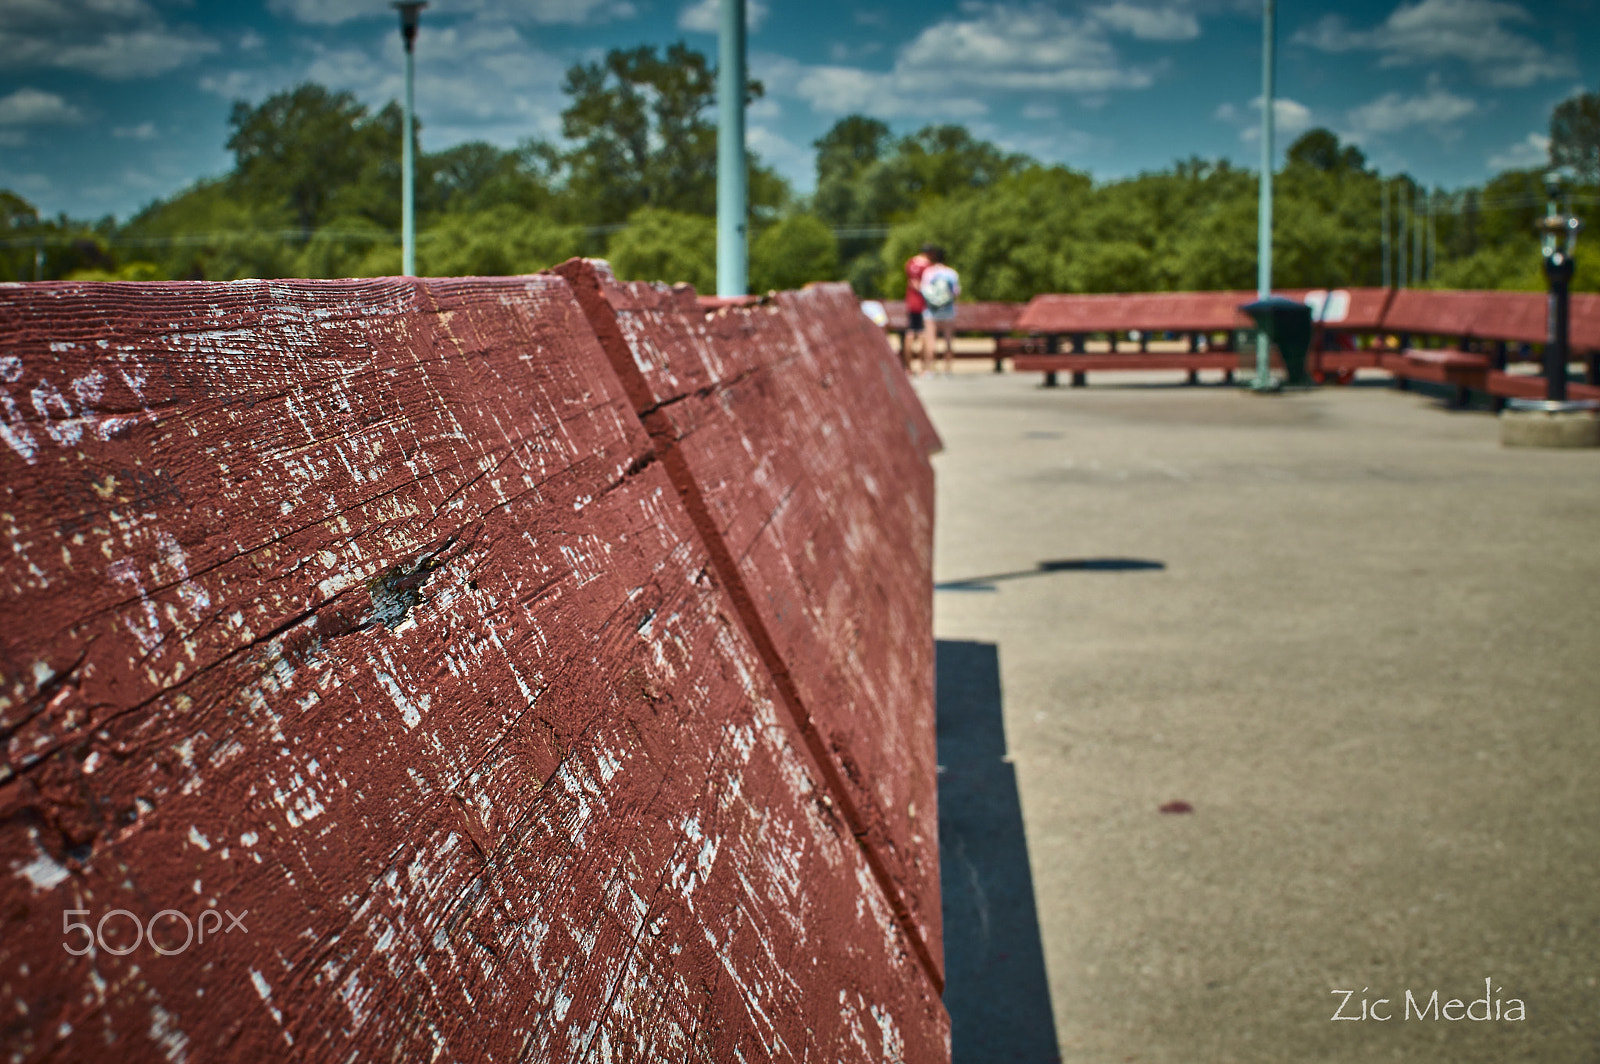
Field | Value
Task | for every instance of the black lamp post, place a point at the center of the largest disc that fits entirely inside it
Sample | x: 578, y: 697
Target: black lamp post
x: 1560, y: 233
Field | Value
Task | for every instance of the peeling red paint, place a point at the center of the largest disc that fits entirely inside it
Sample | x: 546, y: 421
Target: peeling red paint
x: 826, y: 543
x: 368, y: 611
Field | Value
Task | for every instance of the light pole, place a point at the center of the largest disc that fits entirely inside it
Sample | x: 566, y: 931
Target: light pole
x: 1264, y: 220
x: 409, y: 10
x: 1559, y: 232
x: 733, y: 251
x: 1383, y: 196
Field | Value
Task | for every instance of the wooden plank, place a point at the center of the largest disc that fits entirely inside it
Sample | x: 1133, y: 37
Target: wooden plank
x: 827, y: 548
x: 1514, y: 316
x: 978, y: 316
x: 1527, y: 386
x: 1129, y: 361
x: 363, y: 611
x: 1151, y: 311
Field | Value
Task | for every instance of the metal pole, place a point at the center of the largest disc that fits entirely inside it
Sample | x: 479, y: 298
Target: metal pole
x: 1264, y: 221
x: 408, y: 184
x: 733, y: 272
x: 409, y: 9
x: 1417, y: 226
x: 1383, y: 199
x: 1558, y: 270
x: 1403, y: 235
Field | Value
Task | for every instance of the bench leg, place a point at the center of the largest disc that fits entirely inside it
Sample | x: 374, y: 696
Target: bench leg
x: 1463, y: 397
x: 1080, y: 379
x: 1050, y: 378
x: 1227, y: 376
x: 1401, y: 383
x: 1497, y: 403
x: 999, y: 365
x: 1194, y: 376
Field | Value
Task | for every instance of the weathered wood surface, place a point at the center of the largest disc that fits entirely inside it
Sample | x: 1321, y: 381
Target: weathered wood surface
x: 363, y: 609
x: 826, y: 545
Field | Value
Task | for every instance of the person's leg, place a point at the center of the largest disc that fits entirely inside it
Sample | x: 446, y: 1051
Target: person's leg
x: 930, y: 344
x: 949, y: 330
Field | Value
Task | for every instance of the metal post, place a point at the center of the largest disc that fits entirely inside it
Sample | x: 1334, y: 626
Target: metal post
x: 1383, y: 198
x: 733, y: 273
x: 1418, y: 222
x: 1403, y: 234
x: 1264, y: 221
x: 409, y: 9
x: 1558, y: 271
x: 1433, y: 237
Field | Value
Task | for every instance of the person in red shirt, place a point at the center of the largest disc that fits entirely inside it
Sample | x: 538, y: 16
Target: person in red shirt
x: 911, y: 340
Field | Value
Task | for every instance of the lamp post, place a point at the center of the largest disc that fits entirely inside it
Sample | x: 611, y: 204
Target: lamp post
x: 1264, y: 220
x: 733, y: 251
x: 409, y: 10
x: 1559, y: 232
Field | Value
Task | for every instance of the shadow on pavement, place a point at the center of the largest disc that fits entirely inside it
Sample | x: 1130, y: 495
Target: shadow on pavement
x: 995, y: 983
x: 1065, y: 565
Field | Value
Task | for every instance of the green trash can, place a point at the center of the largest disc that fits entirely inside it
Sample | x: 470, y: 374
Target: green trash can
x: 1287, y: 323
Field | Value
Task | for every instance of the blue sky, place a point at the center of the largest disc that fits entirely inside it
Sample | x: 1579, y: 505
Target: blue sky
x: 108, y: 104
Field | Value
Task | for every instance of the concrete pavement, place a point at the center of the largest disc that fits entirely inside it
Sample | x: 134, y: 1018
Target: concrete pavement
x: 1355, y: 635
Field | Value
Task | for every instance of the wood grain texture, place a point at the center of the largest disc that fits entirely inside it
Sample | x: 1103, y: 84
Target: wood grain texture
x: 366, y: 610
x: 1180, y: 311
x: 826, y: 545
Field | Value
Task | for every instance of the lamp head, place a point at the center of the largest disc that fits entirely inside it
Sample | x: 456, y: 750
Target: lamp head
x: 409, y: 10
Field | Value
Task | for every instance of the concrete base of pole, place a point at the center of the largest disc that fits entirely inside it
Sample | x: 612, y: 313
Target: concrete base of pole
x: 1535, y: 423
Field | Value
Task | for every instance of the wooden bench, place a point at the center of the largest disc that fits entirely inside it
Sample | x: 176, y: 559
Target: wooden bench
x: 1481, y: 327
x: 1080, y: 365
x: 1465, y: 371
x: 1347, y: 313
x: 995, y: 319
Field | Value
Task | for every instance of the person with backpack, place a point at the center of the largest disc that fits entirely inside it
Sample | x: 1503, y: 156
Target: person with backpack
x: 911, y: 339
x: 940, y: 285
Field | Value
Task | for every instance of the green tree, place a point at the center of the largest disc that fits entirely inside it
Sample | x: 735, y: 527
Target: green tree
x: 1575, y: 136
x: 1319, y: 149
x: 500, y: 241
x: 663, y: 245
x: 318, y: 153
x: 792, y: 252
x: 644, y: 138
x: 477, y: 176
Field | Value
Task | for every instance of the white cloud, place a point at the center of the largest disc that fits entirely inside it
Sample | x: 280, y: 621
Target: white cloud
x: 142, y: 131
x: 543, y: 12
x: 1038, y: 110
x: 1290, y: 118
x: 1393, y: 112
x: 482, y: 81
x: 794, y: 161
x: 952, y: 70
x: 1431, y: 31
x: 33, y: 107
x: 1008, y: 47
x: 705, y: 16
x: 115, y: 39
x: 1166, y: 23
x: 1529, y: 153
x: 131, y: 55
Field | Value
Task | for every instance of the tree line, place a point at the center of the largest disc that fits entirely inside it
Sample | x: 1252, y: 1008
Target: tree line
x: 314, y: 192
